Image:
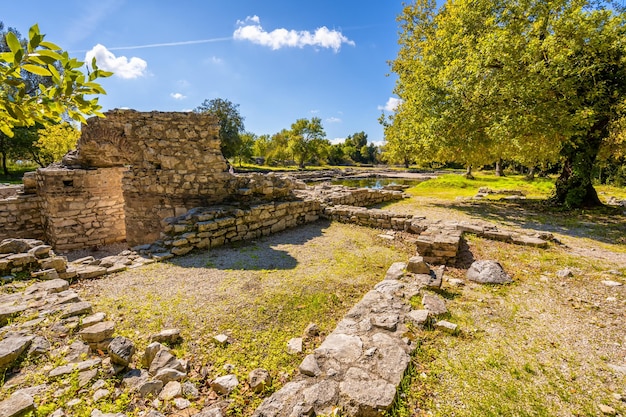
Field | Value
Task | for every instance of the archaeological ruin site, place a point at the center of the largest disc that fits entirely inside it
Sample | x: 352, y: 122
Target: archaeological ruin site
x: 159, y: 182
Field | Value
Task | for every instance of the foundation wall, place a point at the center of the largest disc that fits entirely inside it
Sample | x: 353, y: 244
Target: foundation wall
x: 81, y: 208
x: 20, y: 217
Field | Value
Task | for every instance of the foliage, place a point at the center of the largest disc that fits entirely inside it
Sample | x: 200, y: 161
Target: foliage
x: 307, y: 140
x: 230, y: 122
x: 18, y: 147
x: 526, y: 81
x: 21, y: 105
x: 54, y: 142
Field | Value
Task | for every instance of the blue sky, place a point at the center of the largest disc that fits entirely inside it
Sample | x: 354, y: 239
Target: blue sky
x: 279, y: 60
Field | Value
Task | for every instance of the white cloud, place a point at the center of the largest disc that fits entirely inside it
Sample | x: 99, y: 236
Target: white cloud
x: 333, y: 120
x: 216, y: 60
x: 177, y: 96
x: 391, y: 105
x: 337, y: 141
x: 121, y: 66
x: 280, y: 38
x: 253, y: 19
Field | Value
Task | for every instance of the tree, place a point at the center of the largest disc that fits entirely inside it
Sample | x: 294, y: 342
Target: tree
x: 307, y: 140
x: 527, y: 80
x: 246, y: 149
x: 54, y: 142
x: 23, y: 104
x: 230, y: 123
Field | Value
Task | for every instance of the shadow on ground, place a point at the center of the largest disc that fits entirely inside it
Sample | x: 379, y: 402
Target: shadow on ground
x: 257, y: 254
x: 604, y: 224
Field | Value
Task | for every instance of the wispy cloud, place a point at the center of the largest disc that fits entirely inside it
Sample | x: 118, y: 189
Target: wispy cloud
x: 333, y: 120
x: 391, y: 105
x: 178, y: 96
x: 90, y: 15
x: 251, y: 30
x: 120, y: 66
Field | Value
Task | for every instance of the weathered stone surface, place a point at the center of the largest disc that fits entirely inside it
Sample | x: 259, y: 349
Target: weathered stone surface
x: 168, y: 374
x: 418, y: 317
x: 487, y: 272
x: 341, y: 347
x: 321, y: 395
x: 52, y: 286
x: 165, y: 359
x: 190, y: 391
x: 447, y: 326
x: 365, y: 396
x: 17, y: 405
x: 294, y: 345
x: 309, y: 366
x: 77, y: 309
x: 224, y: 384
x: 14, y: 246
x: 69, y: 368
x: 259, y: 379
x: 169, y: 336
x: 417, y: 265
x: 150, y: 388
x: 171, y: 390
x: 93, y: 319
x: 434, y: 303
x: 609, y: 283
x: 121, y: 350
x: 221, y: 339
x: 8, y: 311
x: 150, y: 353
x: 98, y: 332
x: 12, y: 347
x: 396, y: 271
x: 39, y: 346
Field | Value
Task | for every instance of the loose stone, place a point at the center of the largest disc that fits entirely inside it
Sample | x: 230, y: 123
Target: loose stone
x: 294, y: 345
x: 259, y: 379
x: 224, y: 384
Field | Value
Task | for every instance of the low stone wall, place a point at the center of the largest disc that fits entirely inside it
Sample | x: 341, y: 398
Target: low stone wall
x: 20, y: 217
x: 202, y: 228
x: 335, y: 195
x: 438, y: 241
x: 81, y: 208
x: 359, y: 366
x: 7, y: 191
x: 376, y: 218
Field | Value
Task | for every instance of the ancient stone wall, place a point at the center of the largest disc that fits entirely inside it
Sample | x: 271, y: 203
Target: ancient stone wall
x: 174, y: 163
x: 215, y: 226
x: 81, y: 208
x: 20, y: 217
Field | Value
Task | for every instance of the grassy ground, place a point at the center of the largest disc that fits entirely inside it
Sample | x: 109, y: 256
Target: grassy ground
x: 542, y: 346
x: 260, y: 294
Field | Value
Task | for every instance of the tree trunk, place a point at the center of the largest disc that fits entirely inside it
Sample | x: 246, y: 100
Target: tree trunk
x: 531, y: 174
x: 468, y: 174
x: 499, y: 171
x: 5, y: 169
x: 574, y: 188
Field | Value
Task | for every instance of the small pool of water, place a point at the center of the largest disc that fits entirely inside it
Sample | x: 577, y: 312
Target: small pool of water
x: 376, y: 183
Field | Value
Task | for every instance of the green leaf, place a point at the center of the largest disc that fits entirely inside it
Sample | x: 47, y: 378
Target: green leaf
x: 35, y: 69
x: 13, y: 42
x: 50, y: 45
x: 49, y: 53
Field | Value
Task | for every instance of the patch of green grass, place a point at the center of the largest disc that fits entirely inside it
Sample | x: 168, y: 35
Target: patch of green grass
x: 16, y: 172
x: 450, y: 186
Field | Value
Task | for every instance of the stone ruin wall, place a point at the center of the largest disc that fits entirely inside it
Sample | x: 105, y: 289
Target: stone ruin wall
x: 81, y: 208
x: 173, y: 163
x: 130, y: 171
